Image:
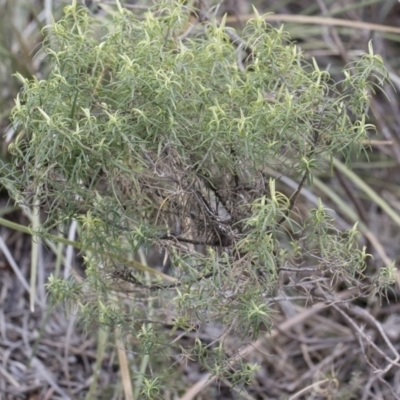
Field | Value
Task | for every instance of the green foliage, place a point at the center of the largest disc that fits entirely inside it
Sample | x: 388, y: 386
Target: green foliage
x: 149, y: 140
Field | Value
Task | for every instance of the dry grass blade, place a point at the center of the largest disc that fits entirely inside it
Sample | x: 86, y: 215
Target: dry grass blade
x: 14, y: 265
x: 124, y: 367
x: 368, y: 191
x: 325, y: 21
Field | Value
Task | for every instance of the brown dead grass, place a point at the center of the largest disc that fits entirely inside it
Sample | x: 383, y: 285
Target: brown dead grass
x: 324, y: 346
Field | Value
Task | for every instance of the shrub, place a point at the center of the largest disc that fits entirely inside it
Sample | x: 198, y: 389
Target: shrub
x: 152, y: 139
